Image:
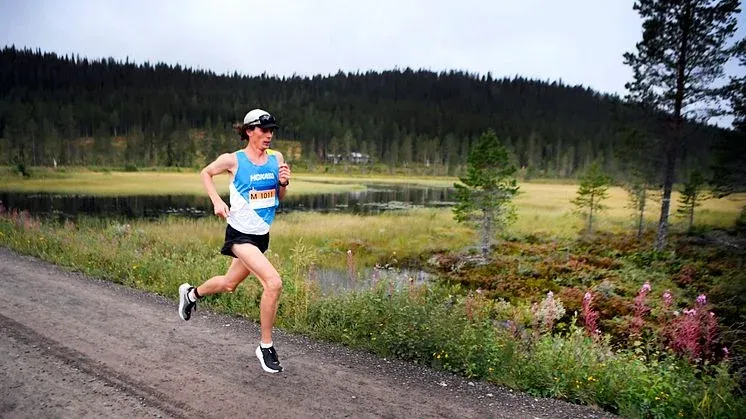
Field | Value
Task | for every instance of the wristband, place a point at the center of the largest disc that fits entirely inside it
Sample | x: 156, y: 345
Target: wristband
x: 287, y: 182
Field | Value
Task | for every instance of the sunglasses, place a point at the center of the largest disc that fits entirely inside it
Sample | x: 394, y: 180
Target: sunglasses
x: 265, y: 119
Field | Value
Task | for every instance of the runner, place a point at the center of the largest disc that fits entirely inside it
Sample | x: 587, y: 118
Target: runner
x: 259, y: 180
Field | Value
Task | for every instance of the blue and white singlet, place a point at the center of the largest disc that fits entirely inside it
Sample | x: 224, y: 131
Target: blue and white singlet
x: 254, y: 194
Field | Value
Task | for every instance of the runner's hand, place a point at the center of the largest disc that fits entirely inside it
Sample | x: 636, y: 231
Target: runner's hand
x: 284, y: 173
x: 221, y: 209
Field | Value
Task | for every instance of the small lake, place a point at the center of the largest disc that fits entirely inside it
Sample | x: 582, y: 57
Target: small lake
x: 374, y: 199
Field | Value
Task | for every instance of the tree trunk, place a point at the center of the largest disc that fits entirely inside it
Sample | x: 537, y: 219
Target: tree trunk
x: 691, y: 212
x: 672, y: 144
x: 668, y: 174
x: 487, y: 217
x: 641, y: 218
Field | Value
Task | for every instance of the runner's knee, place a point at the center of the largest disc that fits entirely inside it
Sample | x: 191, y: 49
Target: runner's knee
x: 274, y: 284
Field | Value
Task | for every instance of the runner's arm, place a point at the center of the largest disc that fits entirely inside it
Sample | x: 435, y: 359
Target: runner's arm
x: 284, y: 174
x: 224, y: 163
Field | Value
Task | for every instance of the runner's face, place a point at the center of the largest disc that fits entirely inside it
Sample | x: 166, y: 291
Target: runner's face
x: 263, y: 136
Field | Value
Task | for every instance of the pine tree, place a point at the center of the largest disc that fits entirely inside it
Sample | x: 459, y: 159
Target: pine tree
x: 682, y: 53
x: 692, y: 195
x: 637, y: 191
x: 594, y: 185
x: 485, y: 193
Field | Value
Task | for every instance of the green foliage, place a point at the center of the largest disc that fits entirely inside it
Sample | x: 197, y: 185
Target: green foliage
x: 485, y: 193
x: 593, y: 189
x: 729, y: 162
x: 692, y: 195
x: 21, y: 170
x: 637, y: 191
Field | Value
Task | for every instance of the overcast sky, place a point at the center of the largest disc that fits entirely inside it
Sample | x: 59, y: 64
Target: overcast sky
x: 576, y: 41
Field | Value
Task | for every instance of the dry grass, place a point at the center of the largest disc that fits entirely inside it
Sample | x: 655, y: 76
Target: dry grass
x: 546, y: 209
x: 145, y: 183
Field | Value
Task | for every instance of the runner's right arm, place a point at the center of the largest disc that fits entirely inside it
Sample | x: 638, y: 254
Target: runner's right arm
x: 224, y: 163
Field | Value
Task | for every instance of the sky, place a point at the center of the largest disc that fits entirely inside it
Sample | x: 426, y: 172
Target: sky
x: 580, y: 42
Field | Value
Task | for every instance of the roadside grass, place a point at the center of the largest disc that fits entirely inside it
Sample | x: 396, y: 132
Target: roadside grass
x: 442, y: 325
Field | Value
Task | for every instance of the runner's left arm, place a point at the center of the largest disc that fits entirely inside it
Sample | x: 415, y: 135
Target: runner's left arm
x: 284, y: 174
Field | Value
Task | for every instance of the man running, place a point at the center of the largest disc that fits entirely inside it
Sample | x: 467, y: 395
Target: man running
x: 259, y: 180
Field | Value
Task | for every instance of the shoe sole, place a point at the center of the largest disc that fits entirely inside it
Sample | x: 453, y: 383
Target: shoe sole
x: 183, y: 289
x: 261, y: 361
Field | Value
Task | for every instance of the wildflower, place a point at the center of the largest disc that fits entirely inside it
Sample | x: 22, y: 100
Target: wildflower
x: 725, y: 351
x: 641, y: 309
x: 667, y: 299
x: 590, y: 315
x: 694, y: 333
x: 645, y: 288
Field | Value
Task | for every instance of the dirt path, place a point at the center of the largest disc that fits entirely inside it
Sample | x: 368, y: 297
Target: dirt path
x: 72, y: 346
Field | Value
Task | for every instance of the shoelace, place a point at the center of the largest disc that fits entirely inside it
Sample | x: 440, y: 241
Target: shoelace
x: 273, y: 355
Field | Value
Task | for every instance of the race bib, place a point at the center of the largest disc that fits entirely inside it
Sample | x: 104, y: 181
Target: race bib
x: 261, y: 199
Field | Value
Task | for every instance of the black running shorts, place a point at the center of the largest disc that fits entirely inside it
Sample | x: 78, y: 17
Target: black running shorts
x: 233, y: 236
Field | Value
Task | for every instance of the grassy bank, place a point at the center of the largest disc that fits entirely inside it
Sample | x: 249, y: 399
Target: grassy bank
x: 446, y: 325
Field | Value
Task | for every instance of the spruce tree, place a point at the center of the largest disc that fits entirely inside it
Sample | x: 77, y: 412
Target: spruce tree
x: 485, y: 193
x: 594, y: 185
x: 692, y: 195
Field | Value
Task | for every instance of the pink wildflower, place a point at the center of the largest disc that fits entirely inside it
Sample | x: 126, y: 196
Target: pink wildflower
x: 641, y: 309
x: 590, y: 315
x: 695, y: 333
x: 667, y: 299
x: 645, y: 288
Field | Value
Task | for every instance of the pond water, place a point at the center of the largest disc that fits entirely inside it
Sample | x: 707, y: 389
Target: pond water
x: 374, y: 199
x: 331, y: 281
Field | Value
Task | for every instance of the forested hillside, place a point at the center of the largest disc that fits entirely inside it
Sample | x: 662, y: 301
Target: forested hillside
x: 78, y: 111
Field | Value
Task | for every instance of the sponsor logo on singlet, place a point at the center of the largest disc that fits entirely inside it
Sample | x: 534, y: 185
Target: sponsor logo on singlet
x: 262, y: 176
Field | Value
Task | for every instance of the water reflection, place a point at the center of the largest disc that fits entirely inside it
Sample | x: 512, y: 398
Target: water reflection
x: 375, y: 199
x: 333, y: 281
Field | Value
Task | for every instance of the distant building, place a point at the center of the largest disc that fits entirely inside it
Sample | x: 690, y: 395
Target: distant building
x: 354, y: 158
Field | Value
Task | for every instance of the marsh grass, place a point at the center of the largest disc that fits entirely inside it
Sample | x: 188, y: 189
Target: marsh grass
x: 388, y: 238
x: 107, y: 183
